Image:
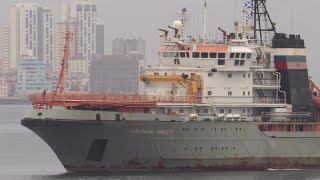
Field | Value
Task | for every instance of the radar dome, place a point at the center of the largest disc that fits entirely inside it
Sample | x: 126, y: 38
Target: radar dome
x: 177, y: 24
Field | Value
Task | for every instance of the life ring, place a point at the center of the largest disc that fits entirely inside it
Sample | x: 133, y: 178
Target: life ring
x: 37, y: 106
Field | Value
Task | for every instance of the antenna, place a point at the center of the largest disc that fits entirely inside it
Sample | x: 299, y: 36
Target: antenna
x: 205, y: 21
x: 260, y: 11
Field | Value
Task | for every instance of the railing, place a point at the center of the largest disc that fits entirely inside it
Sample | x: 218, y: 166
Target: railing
x: 77, y: 99
x: 268, y: 100
x: 266, y: 82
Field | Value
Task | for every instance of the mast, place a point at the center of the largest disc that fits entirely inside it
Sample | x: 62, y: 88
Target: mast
x: 205, y: 22
x: 262, y: 20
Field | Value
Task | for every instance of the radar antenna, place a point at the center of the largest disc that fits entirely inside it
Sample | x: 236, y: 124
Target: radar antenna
x: 262, y: 20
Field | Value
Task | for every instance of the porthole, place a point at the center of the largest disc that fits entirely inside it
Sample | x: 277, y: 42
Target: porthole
x: 196, y: 148
x: 236, y: 129
x: 182, y: 129
x: 226, y: 148
x: 202, y: 129
x: 222, y: 148
x: 221, y: 129
x: 216, y: 148
x: 195, y: 129
x: 234, y: 148
x: 211, y: 148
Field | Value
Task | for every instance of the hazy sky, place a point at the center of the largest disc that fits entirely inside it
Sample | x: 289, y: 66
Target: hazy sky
x: 142, y: 18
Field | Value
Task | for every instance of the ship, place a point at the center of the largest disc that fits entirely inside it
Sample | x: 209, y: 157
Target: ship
x: 243, y: 101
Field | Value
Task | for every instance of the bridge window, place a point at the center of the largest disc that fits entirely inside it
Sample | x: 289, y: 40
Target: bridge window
x: 222, y: 55
x: 249, y: 56
x: 205, y: 111
x: 196, y: 55
x: 180, y: 110
x: 188, y: 55
x: 204, y: 55
x: 229, y: 93
x: 176, y: 61
x: 182, y: 55
x: 197, y: 111
x: 209, y: 93
x: 243, y: 55
x: 232, y: 55
x: 213, y: 55
x: 221, y: 111
x: 237, y: 55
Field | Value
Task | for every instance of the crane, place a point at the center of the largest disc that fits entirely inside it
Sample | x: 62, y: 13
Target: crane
x: 61, y: 85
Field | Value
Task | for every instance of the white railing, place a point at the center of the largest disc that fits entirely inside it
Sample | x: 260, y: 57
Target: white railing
x: 268, y: 100
x: 266, y: 82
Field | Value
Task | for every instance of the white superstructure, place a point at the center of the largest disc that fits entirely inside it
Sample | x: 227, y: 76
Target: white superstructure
x: 233, y: 79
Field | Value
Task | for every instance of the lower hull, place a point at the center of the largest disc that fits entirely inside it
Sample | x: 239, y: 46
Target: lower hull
x: 169, y: 146
x: 211, y: 165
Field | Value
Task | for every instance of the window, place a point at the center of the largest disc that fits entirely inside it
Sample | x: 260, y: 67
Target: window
x: 176, y: 61
x: 244, y: 75
x: 213, y: 55
x: 204, y: 55
x: 249, y: 56
x: 237, y: 55
x: 229, y: 111
x: 249, y: 75
x: 196, y: 55
x: 176, y: 55
x: 188, y: 55
x: 182, y: 55
x: 242, y: 62
x: 229, y: 75
x: 229, y: 93
x: 222, y: 55
x: 244, y: 93
x: 209, y: 93
x: 243, y: 55
x: 165, y: 74
x: 221, y: 62
x: 169, y: 111
x: 243, y: 111
x: 248, y: 93
x: 197, y: 111
x: 232, y: 55
x: 221, y: 111
x: 180, y: 110
x: 236, y: 62
x: 209, y: 74
x: 205, y: 111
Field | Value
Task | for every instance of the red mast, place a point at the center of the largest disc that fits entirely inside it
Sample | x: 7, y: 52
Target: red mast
x: 61, y: 85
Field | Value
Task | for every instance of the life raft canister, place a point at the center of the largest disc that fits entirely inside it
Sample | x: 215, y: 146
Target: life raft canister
x: 37, y: 106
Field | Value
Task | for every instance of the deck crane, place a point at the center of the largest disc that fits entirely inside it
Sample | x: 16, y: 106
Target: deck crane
x: 61, y: 85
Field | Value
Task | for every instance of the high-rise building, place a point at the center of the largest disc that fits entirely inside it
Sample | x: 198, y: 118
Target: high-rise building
x: 31, y: 32
x: 85, y: 13
x: 75, y: 47
x: 116, y: 74
x: 31, y: 76
x: 4, y: 50
x: 121, y: 46
x: 100, y: 37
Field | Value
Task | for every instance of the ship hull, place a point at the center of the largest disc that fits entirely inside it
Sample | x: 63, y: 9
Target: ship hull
x: 84, y: 145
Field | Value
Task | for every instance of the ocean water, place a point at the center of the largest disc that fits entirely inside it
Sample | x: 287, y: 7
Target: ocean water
x: 25, y: 156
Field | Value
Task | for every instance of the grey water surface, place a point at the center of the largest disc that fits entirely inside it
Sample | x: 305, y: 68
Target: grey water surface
x: 25, y: 156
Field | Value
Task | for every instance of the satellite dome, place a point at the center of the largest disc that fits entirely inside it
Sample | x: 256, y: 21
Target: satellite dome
x: 177, y: 24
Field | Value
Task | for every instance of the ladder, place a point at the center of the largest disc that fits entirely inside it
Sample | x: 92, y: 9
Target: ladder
x: 213, y: 105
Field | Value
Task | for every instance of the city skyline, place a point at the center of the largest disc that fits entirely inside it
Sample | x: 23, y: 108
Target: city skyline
x: 143, y: 18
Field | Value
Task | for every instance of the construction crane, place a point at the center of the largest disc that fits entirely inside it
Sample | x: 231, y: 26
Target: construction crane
x: 61, y: 85
x: 192, y: 84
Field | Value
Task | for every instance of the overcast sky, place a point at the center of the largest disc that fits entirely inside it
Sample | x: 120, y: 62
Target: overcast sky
x: 142, y: 18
